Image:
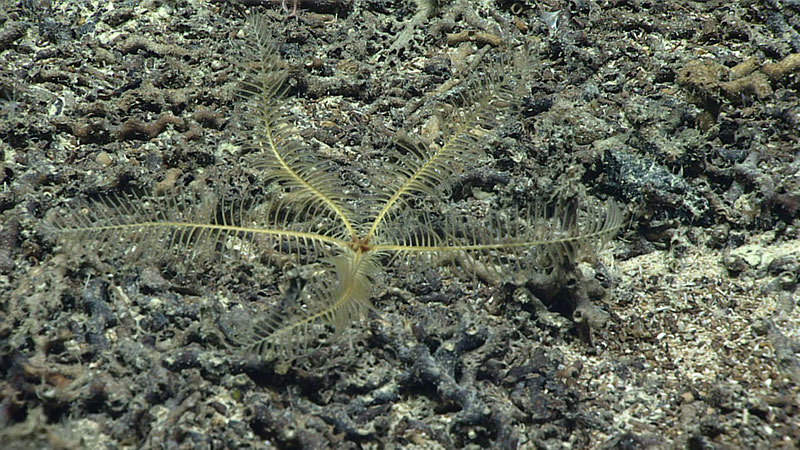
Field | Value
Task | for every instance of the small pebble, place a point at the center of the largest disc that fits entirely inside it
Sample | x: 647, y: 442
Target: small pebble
x: 103, y: 158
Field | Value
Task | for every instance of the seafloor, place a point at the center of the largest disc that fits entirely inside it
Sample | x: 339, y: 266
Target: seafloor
x: 685, y: 113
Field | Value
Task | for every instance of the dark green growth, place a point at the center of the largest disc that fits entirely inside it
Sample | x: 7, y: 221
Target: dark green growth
x: 314, y: 219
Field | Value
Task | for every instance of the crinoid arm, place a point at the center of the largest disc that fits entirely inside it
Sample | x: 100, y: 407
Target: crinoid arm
x: 543, y: 237
x: 190, y: 226
x: 328, y: 305
x: 275, y: 152
x: 423, y: 169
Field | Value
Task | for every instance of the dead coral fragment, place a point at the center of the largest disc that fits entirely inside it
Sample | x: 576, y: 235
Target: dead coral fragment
x: 786, y: 66
x: 707, y: 78
x: 738, y: 84
x: 478, y: 37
